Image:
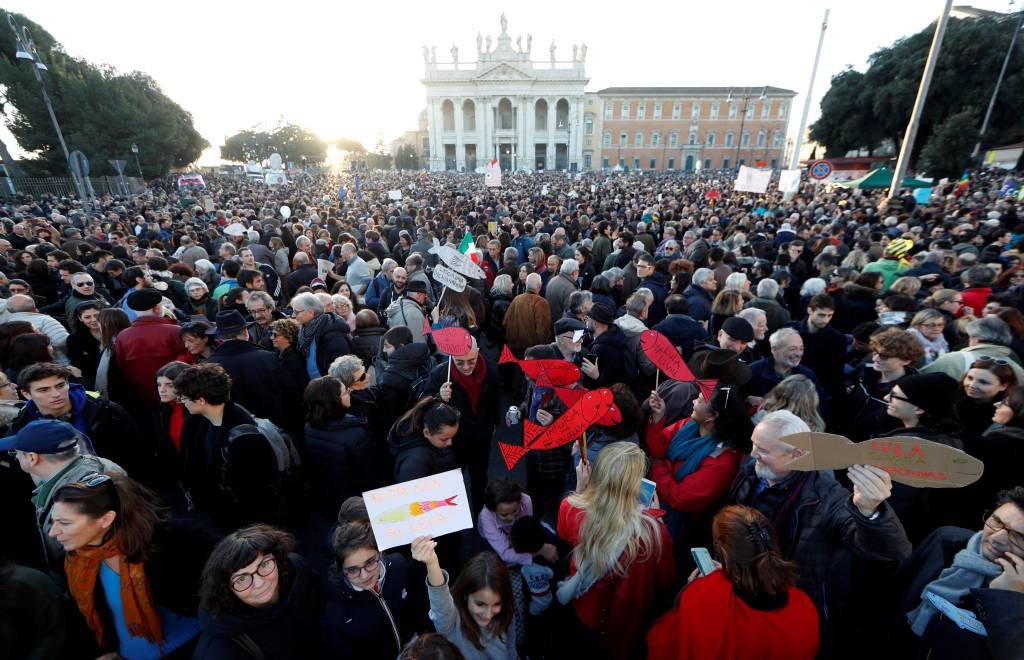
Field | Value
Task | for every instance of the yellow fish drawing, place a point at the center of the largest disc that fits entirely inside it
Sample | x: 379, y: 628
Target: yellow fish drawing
x: 412, y: 509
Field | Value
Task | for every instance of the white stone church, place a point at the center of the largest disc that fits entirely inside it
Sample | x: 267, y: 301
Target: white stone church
x: 505, y: 105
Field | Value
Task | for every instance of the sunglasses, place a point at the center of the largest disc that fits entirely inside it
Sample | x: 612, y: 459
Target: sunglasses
x: 85, y: 284
x: 997, y: 361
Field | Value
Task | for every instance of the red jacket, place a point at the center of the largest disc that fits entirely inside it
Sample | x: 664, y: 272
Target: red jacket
x: 975, y: 298
x: 142, y: 349
x: 711, y: 621
x: 698, y: 490
x: 621, y: 609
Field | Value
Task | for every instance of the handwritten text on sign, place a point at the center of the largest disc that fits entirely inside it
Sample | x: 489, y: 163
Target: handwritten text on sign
x: 433, y: 505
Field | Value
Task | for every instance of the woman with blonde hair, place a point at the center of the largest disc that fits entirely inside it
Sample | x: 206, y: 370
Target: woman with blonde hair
x: 798, y: 395
x: 623, y: 573
x: 728, y: 302
x: 927, y: 327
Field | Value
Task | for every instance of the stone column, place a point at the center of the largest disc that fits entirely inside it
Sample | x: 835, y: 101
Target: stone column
x: 460, y: 154
x: 576, y: 156
x: 529, y: 134
x: 432, y: 132
x: 550, y: 164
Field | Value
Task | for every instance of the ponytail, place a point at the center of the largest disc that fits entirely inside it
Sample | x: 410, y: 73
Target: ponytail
x: 748, y: 547
x: 429, y: 413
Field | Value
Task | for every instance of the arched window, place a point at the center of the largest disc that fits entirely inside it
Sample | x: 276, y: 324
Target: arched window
x: 692, y: 139
x: 745, y: 139
x: 730, y: 139
x: 588, y: 124
x: 540, y: 115
x: 639, y: 139
x: 506, y: 118
x: 655, y: 139
x: 468, y: 115
x: 777, y: 139
x: 448, y: 115
x: 562, y: 114
x: 673, y: 139
x: 762, y: 138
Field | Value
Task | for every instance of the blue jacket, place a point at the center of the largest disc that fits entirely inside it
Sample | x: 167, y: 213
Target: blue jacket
x: 659, y: 287
x: 374, y: 290
x: 700, y: 302
x: 522, y: 245
x: 683, y: 332
x: 763, y: 378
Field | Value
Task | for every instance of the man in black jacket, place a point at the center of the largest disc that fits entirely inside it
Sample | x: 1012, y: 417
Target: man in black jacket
x: 232, y: 477
x: 824, y: 346
x: 323, y: 338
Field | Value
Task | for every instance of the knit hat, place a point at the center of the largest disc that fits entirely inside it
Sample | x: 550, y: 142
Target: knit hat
x: 934, y: 393
x: 602, y: 314
x: 738, y: 328
x: 899, y: 248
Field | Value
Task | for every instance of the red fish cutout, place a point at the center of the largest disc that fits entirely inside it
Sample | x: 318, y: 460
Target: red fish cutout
x: 454, y: 340
x: 569, y: 426
x: 570, y: 396
x: 660, y: 351
x: 546, y: 373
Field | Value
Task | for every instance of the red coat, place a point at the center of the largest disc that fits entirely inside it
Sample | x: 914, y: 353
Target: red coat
x: 621, y: 609
x: 142, y: 349
x: 711, y: 621
x: 698, y: 490
x: 975, y: 298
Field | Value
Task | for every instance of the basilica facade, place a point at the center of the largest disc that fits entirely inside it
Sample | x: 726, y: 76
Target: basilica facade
x: 528, y: 114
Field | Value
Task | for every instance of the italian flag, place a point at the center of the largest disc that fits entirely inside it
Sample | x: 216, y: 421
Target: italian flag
x: 468, y: 248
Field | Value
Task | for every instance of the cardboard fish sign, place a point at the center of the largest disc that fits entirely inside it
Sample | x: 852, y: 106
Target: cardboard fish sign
x: 449, y: 278
x: 908, y: 460
x: 660, y: 351
x: 569, y: 426
x: 571, y: 395
x: 454, y: 340
x: 457, y: 261
x: 546, y: 373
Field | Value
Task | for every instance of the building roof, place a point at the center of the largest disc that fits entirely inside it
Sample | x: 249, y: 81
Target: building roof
x: 693, y: 91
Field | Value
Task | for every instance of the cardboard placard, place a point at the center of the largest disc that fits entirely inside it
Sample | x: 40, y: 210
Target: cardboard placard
x: 546, y: 373
x: 663, y: 354
x: 457, y: 261
x: 395, y: 195
x: 789, y: 181
x: 433, y: 505
x: 208, y: 204
x: 449, y: 278
x: 322, y: 268
x: 570, y: 425
x: 752, y: 180
x: 908, y: 460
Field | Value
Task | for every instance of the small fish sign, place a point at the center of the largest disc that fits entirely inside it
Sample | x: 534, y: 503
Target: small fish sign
x: 660, y: 351
x: 433, y: 505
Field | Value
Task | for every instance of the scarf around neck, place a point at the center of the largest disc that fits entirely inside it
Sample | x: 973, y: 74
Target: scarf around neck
x: 312, y: 330
x: 83, y: 568
x: 691, y: 448
x: 472, y: 385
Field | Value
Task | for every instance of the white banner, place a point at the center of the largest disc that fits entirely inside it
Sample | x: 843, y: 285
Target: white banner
x: 457, y: 261
x: 789, y: 181
x: 492, y: 174
x: 323, y: 267
x: 449, y: 278
x: 395, y: 195
x: 752, y: 180
x: 433, y: 506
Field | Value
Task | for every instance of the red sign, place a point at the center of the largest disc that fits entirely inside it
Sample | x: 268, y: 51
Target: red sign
x: 546, y: 373
x: 660, y: 351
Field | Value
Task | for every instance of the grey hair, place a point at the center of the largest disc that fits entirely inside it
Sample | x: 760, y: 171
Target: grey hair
x: 337, y: 298
x: 781, y: 335
x: 813, y: 286
x: 577, y: 299
x: 768, y: 288
x: 783, y: 423
x: 389, y: 263
x: 990, y: 330
x: 534, y: 282
x: 702, y: 275
x: 569, y: 266
x: 308, y: 302
x: 502, y: 284
x: 636, y: 304
x: 751, y: 314
x: 260, y: 296
x: 510, y: 253
x: 344, y: 368
x: 735, y: 282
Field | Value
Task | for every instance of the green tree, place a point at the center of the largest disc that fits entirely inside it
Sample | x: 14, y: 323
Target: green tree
x: 406, y: 158
x: 290, y: 141
x: 101, y: 112
x: 247, y: 145
x: 861, y: 110
x: 948, y: 151
x: 349, y: 145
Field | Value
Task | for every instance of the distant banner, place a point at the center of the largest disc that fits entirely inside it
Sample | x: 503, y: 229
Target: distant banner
x: 789, y: 181
x: 752, y: 180
x: 492, y: 174
x: 395, y: 195
x: 276, y: 179
x: 191, y: 180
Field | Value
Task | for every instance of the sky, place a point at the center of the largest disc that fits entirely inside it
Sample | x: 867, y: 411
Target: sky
x: 354, y: 69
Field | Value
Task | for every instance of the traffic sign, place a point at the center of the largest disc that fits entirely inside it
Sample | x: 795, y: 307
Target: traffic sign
x: 820, y: 169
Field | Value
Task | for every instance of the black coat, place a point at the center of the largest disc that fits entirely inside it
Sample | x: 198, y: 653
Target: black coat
x: 683, y: 331
x: 368, y: 342
x: 855, y: 304
x: 406, y: 365
x: 301, y: 277
x: 614, y: 361
x: 341, y: 462
x: 824, y: 354
x: 1001, y: 449
x: 284, y: 630
x: 658, y: 285
x: 83, y: 351
x: 295, y: 364
x: 415, y: 457
x: 358, y: 624
x: 334, y: 340
x: 258, y: 380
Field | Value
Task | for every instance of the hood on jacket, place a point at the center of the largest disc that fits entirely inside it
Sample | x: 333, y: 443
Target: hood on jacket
x: 402, y: 439
x: 407, y: 360
x: 630, y: 325
x: 857, y: 291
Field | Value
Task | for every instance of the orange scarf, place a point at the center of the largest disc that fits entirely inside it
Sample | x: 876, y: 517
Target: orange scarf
x: 83, y: 568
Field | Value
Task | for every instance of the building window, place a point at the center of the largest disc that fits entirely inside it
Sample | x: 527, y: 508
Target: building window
x: 590, y: 101
x: 624, y: 113
x: 710, y: 139
x: 540, y: 115
x: 725, y: 163
x: 677, y: 110
x: 762, y: 139
x: 745, y: 140
x: 641, y: 111
x: 608, y: 110
x: 588, y: 125
x: 777, y: 139
x: 695, y: 111
x: 622, y: 162
x: 589, y: 142
x: 671, y: 163
x: 636, y: 163
x: 732, y: 111
x: 622, y: 139
x: 562, y: 114
x: 673, y: 139
x: 587, y: 159
x: 639, y: 139
x: 743, y: 161
x: 692, y: 139
x: 729, y: 139
x: 750, y: 110
x: 714, y: 109
x: 782, y: 109
x: 606, y: 139
x: 657, y: 110
x: 707, y: 163
x: 448, y: 115
x: 605, y: 163
x: 775, y: 163
x: 766, y: 108
x: 654, y: 163
x: 655, y: 139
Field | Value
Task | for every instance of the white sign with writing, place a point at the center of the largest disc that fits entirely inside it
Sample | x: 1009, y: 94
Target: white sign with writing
x: 449, y: 278
x: 433, y: 506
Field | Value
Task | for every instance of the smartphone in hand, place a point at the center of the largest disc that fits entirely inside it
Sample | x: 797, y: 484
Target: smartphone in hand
x: 647, y: 488
x: 702, y: 558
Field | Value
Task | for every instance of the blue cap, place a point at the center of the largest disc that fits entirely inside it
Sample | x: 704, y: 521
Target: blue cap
x: 42, y: 436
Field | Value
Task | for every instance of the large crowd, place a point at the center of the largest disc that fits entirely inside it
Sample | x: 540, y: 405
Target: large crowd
x: 198, y: 385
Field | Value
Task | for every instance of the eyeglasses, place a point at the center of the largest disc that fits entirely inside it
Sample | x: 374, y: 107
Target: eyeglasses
x: 356, y: 571
x: 997, y: 361
x: 933, y: 326
x: 1016, y: 538
x: 893, y: 395
x: 243, y: 581
x: 361, y: 378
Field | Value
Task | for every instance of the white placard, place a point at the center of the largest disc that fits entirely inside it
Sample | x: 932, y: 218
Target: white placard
x: 323, y: 267
x: 433, y: 506
x: 789, y: 181
x: 449, y: 278
x: 457, y: 261
x: 752, y: 180
x: 395, y: 195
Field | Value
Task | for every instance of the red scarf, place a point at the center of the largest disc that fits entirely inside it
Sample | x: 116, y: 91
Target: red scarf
x: 83, y: 570
x: 177, y: 422
x: 472, y: 385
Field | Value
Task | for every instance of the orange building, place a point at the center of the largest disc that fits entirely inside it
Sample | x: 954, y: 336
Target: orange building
x: 669, y: 128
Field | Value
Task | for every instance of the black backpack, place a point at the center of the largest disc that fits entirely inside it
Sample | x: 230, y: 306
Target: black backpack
x: 286, y: 457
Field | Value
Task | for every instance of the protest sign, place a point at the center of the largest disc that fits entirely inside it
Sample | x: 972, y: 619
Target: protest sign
x: 431, y: 506
x: 457, y: 261
x: 454, y: 340
x: 395, y: 195
x: 209, y: 205
x: 908, y: 460
x: 546, y: 373
x: 191, y: 180
x: 660, y: 351
x: 322, y: 268
x: 449, y: 278
x: 789, y: 181
x: 752, y: 180
x: 235, y: 229
x: 492, y: 174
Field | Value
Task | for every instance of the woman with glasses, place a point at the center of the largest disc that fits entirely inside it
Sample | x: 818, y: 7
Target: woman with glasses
x: 342, y: 457
x: 893, y: 352
x: 374, y: 605
x: 132, y: 571
x: 984, y: 384
x: 950, y: 303
x: 84, y: 348
x: 928, y: 327
x: 258, y: 600
x: 199, y: 301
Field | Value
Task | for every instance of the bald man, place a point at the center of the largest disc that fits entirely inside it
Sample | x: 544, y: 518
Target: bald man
x: 23, y: 308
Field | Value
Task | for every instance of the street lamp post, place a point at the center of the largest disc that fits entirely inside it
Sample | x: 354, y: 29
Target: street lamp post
x: 135, y: 150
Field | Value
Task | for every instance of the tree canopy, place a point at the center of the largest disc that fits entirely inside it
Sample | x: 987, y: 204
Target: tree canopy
x: 290, y: 141
x: 101, y: 112
x: 863, y: 110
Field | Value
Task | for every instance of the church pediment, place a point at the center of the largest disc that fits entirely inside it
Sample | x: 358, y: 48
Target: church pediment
x: 503, y: 72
